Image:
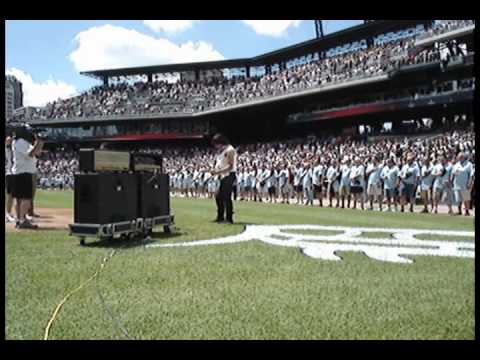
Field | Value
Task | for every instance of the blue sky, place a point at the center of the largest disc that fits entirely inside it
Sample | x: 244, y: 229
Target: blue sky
x: 47, y: 56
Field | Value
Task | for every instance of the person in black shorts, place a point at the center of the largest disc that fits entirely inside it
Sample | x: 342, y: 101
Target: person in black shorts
x: 23, y: 168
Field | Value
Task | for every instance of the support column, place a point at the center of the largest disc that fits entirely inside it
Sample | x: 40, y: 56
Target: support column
x: 197, y: 74
x: 247, y: 71
x: 149, y: 78
x: 105, y: 80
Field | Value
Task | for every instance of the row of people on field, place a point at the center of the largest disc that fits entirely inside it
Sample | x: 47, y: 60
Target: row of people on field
x: 388, y: 183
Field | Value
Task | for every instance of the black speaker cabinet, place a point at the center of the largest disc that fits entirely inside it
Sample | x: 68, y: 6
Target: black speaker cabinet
x: 104, y: 198
x: 153, y: 195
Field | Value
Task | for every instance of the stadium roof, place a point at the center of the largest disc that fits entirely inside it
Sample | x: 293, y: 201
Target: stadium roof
x: 351, y: 34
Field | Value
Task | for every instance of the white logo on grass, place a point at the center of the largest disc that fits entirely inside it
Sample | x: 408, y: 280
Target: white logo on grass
x: 394, y: 248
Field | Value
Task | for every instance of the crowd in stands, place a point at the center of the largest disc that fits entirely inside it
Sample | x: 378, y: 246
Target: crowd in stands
x: 159, y: 97
x: 55, y: 170
x: 446, y: 26
x: 404, y: 94
x: 387, y: 174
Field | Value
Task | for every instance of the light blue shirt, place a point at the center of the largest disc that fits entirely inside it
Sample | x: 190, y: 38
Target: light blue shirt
x: 307, y: 178
x: 426, y: 181
x: 439, y: 180
x: 374, y: 177
x: 389, y: 176
x: 332, y: 174
x: 357, y: 175
x: 317, y: 174
x: 345, y: 179
x: 461, y: 175
x: 411, y: 170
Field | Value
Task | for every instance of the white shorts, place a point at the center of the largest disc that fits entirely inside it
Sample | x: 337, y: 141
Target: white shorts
x: 462, y: 195
x: 374, y: 190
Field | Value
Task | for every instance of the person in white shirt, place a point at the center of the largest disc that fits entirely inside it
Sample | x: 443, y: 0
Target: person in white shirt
x: 172, y: 181
x: 462, y: 182
x: 255, y: 176
x: 240, y: 183
x: 333, y: 174
x: 24, y: 164
x: 195, y: 182
x: 203, y: 182
x: 250, y: 188
x: 389, y: 175
x: 9, y: 180
x: 31, y: 213
x: 307, y: 184
x: 185, y: 182
x: 297, y: 183
x: 226, y: 169
x: 409, y: 176
x: 318, y: 173
x: 374, y: 182
x: 207, y: 181
x: 283, y: 183
x: 344, y: 188
x: 190, y: 183
x: 262, y: 190
x: 442, y: 186
x: 357, y: 183
x: 271, y: 184
x: 426, y: 183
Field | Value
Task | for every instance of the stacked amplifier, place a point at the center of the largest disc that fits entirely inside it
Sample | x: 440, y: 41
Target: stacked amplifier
x: 119, y: 193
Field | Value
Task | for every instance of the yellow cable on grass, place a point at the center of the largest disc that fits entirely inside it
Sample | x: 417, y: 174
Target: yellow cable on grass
x: 57, y: 309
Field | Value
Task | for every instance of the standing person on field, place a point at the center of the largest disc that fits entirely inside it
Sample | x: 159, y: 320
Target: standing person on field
x: 332, y: 182
x: 31, y: 214
x: 357, y: 182
x: 389, y: 175
x: 344, y: 188
x: 9, y: 179
x: 409, y: 177
x: 225, y: 168
x: 297, y: 182
x: 441, y: 184
x: 318, y: 173
x: 24, y: 164
x: 374, y: 182
x: 307, y: 184
x: 283, y: 183
x: 271, y: 183
x: 462, y: 183
x: 426, y: 183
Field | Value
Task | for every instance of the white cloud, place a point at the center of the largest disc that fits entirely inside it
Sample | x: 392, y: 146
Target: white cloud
x: 171, y: 26
x: 275, y: 28
x: 39, y: 94
x: 108, y: 46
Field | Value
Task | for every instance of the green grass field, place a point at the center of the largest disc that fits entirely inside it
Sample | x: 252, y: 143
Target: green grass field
x: 247, y: 290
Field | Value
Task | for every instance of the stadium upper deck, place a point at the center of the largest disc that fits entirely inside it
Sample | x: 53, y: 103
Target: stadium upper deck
x: 363, y: 33
x: 380, y: 56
